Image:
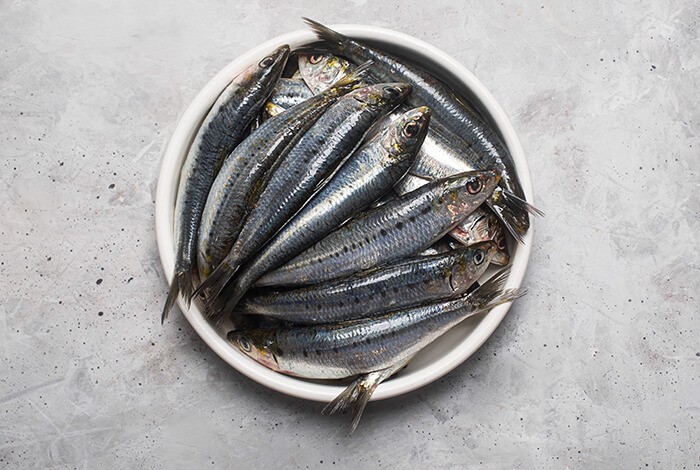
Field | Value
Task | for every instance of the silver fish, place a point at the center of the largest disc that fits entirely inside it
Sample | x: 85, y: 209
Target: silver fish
x: 393, y: 287
x: 221, y: 131
x: 340, y: 350
x: 232, y: 193
x: 295, y: 177
x: 398, y: 229
x: 364, y: 177
x: 467, y: 130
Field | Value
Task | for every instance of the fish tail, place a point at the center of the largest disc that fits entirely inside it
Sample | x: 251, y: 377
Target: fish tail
x: 215, y: 284
x: 513, y: 211
x: 325, y: 33
x: 225, y: 304
x: 491, y: 293
x: 354, y: 78
x: 181, y: 284
x: 354, y: 397
x: 215, y: 309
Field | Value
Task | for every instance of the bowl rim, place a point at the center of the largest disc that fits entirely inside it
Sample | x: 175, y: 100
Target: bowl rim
x: 174, y: 157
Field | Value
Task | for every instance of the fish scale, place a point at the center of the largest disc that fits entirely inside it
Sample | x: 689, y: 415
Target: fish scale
x: 395, y: 230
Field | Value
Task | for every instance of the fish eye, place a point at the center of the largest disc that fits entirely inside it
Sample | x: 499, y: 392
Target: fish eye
x: 501, y: 242
x: 474, y: 185
x: 316, y: 58
x: 478, y: 257
x: 266, y: 62
x: 411, y: 129
x: 392, y: 92
x: 244, y: 344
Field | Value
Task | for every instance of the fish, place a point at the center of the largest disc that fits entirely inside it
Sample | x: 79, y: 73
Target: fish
x: 295, y: 177
x: 319, y: 69
x: 437, y: 158
x: 233, y: 191
x: 287, y: 93
x: 467, y: 131
x: 393, y: 287
x: 365, y: 176
x: 340, y: 350
x: 400, y: 228
x: 221, y: 131
x: 480, y: 226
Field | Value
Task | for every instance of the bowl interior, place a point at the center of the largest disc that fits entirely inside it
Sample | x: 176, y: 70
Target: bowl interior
x: 441, y: 356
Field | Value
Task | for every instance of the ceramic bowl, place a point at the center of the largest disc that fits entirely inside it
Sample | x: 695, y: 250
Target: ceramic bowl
x: 444, y: 354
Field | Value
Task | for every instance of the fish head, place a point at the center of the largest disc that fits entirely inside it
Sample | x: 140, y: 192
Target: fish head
x: 382, y: 97
x: 470, y: 264
x: 258, y: 344
x: 483, y: 225
x: 320, y: 70
x: 407, y: 133
x: 464, y: 192
x: 270, y: 67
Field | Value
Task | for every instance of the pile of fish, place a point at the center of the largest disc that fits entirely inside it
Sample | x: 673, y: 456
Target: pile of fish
x: 337, y: 210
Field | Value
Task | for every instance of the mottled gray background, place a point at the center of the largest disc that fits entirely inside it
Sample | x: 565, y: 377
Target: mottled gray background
x: 596, y: 367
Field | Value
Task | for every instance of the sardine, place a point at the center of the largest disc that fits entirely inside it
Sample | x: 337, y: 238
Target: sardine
x: 394, y: 287
x: 467, y: 131
x: 364, y: 177
x: 221, y: 131
x: 340, y: 350
x: 232, y: 193
x: 296, y: 175
x: 394, y: 231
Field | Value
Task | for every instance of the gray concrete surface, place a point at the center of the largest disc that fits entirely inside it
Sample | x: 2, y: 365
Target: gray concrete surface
x: 596, y: 368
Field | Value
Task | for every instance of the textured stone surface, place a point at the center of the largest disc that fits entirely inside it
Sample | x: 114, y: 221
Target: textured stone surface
x: 596, y: 367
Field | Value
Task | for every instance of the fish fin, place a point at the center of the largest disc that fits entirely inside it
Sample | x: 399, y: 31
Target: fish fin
x: 181, y: 283
x: 215, y: 309
x: 357, y: 394
x: 353, y: 78
x: 513, y: 211
x: 325, y: 33
x: 355, y: 397
x: 214, y: 285
x: 491, y: 293
x: 225, y: 304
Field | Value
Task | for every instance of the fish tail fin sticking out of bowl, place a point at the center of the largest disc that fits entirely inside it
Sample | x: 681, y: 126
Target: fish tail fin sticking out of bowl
x: 182, y: 283
x: 356, y: 396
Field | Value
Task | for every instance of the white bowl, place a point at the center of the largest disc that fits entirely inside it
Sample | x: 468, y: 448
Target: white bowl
x: 440, y: 357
